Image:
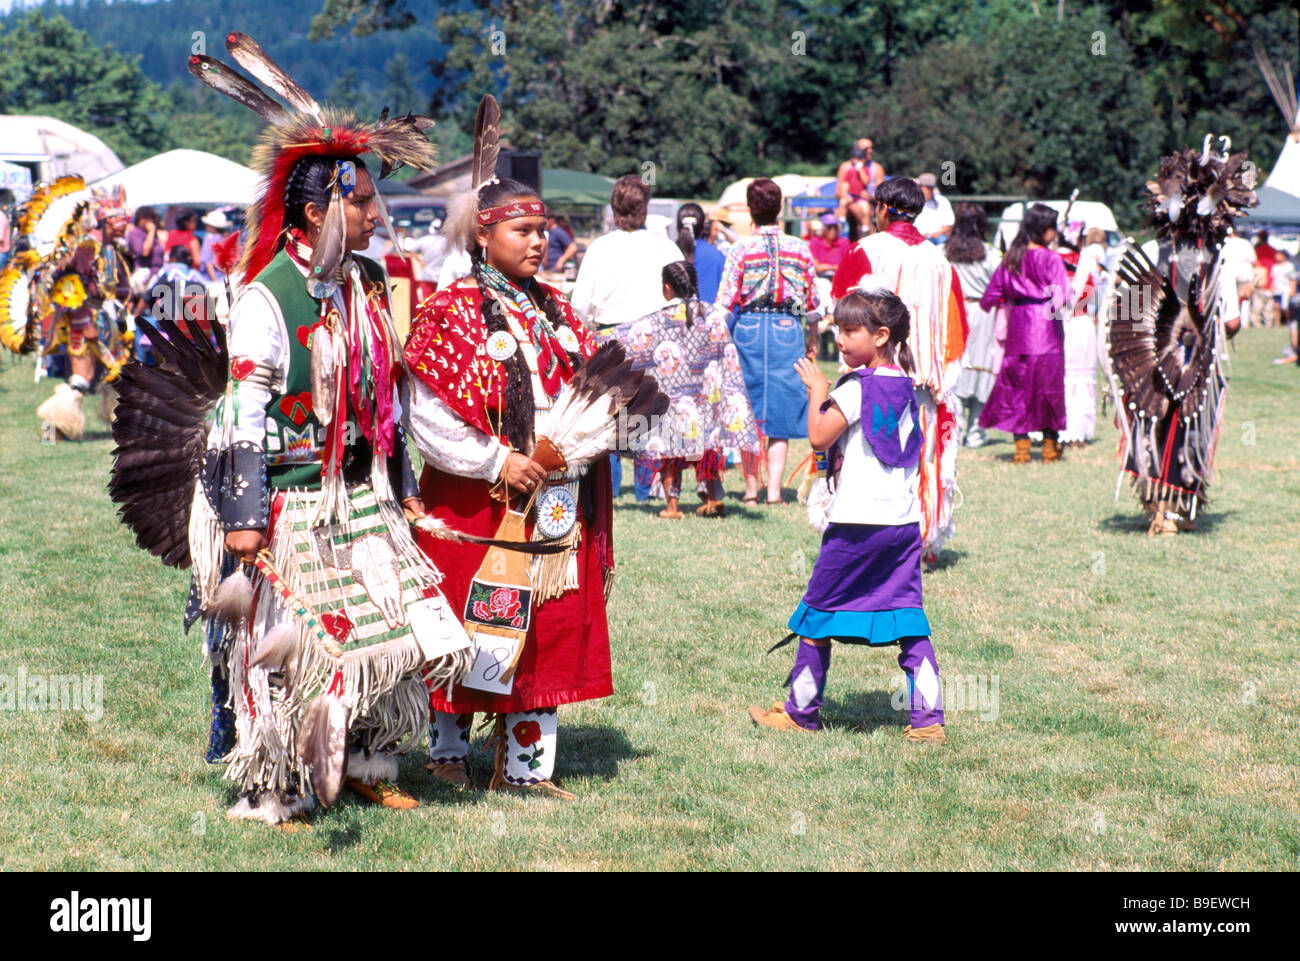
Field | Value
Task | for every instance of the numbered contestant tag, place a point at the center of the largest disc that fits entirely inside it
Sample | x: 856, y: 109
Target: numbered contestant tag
x: 493, y: 654
x: 436, y: 628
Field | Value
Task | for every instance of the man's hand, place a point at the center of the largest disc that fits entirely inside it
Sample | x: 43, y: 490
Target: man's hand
x: 245, y: 544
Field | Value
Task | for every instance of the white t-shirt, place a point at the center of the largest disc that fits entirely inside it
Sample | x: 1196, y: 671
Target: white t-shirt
x: 936, y: 215
x: 870, y: 492
x: 621, y: 277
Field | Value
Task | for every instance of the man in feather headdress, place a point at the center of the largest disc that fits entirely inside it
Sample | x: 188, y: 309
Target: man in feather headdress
x: 1173, y: 309
x: 83, y: 280
x: 304, y: 475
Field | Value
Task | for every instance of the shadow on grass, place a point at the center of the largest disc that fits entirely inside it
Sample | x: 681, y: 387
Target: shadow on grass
x: 594, y: 751
x: 863, y: 712
x: 653, y: 506
x: 1134, y: 522
x: 946, y: 559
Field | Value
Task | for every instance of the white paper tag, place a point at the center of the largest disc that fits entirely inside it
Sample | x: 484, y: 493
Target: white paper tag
x: 494, y: 654
x: 437, y: 630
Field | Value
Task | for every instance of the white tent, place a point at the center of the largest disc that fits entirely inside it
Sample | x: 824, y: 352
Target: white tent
x: 58, y: 148
x: 190, y: 177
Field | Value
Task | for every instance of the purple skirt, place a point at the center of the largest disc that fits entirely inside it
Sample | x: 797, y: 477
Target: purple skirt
x: 1029, y: 395
x: 865, y: 587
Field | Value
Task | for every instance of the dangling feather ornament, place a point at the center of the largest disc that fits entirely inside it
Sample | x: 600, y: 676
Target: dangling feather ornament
x: 322, y: 745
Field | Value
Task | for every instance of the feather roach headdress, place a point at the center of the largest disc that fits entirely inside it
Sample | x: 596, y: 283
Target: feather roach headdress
x: 305, y: 130
x: 1195, y: 196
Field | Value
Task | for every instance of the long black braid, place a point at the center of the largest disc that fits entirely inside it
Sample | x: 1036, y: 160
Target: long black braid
x: 681, y: 277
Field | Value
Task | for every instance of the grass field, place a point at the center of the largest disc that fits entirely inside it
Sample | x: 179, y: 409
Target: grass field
x: 1140, y: 708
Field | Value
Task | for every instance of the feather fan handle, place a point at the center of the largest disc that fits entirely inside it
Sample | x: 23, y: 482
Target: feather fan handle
x: 229, y: 81
x: 487, y: 136
x: 249, y: 55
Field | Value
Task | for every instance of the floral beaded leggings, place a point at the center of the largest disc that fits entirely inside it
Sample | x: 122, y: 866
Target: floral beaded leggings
x: 530, y: 742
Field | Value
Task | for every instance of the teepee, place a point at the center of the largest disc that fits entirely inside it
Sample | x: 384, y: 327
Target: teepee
x: 1279, y: 198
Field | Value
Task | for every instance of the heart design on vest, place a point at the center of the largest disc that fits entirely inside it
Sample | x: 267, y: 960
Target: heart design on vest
x: 338, y: 625
x: 304, y: 334
x: 242, y: 367
x: 296, y: 407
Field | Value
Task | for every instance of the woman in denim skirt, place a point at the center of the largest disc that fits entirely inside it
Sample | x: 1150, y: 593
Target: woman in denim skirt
x: 768, y: 289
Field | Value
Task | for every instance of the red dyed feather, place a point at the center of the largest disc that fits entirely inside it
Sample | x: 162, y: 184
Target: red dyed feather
x: 225, y: 254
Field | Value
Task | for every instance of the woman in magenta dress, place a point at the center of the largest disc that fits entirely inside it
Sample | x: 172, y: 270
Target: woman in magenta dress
x: 1030, y: 391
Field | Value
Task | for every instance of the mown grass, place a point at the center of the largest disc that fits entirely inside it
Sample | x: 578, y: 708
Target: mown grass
x: 1145, y: 711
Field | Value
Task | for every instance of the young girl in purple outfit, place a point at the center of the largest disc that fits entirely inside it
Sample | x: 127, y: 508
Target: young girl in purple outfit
x: 866, y: 584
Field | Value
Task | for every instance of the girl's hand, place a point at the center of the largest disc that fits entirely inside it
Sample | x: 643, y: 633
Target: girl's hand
x: 811, y: 375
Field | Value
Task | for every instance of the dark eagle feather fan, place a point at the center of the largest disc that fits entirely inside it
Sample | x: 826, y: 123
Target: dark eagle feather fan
x: 1161, y: 347
x: 161, y: 431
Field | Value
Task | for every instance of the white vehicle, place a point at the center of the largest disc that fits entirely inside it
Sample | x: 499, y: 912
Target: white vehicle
x: 1089, y: 213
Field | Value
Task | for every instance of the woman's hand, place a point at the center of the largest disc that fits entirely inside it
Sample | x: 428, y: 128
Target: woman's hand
x: 245, y: 544
x: 812, y: 376
x: 413, y: 508
x: 522, y: 472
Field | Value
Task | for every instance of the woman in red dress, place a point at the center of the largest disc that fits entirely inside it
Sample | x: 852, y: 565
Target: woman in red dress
x: 486, y: 355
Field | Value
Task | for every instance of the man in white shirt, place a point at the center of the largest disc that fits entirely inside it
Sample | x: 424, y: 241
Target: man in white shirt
x: 936, y: 217
x: 620, y: 278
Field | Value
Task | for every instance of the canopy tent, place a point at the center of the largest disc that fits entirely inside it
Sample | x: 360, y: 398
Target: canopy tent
x: 190, y: 177
x: 575, y: 188
x: 1279, y: 198
x: 17, y: 180
x: 57, y: 148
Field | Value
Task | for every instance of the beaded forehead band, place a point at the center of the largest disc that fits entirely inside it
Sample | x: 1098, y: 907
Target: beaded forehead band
x: 494, y: 215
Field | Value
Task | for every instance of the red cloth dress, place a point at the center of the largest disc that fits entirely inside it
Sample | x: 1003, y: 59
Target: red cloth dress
x: 566, y: 653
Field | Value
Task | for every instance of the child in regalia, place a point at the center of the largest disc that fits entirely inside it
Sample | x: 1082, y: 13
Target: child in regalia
x: 866, y: 584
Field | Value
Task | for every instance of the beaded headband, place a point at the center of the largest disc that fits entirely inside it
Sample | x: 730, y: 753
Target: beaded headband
x: 493, y: 215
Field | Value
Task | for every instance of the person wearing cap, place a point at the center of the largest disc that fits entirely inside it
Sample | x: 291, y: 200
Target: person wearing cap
x: 721, y: 236
x: 218, y: 228
x: 936, y: 218
x: 828, y: 248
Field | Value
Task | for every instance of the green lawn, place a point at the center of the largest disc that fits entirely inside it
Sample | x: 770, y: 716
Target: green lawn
x: 1145, y: 710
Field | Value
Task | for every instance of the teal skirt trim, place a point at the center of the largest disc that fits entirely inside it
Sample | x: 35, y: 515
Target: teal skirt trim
x: 859, y: 627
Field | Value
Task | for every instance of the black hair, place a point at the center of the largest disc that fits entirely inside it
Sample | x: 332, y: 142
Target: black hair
x: 520, y: 410
x: 180, y: 254
x: 1039, y: 219
x: 147, y: 213
x: 689, y: 233
x: 902, y: 197
x: 681, y: 277
x: 309, y: 183
x: 966, y: 242
x: 874, y: 309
